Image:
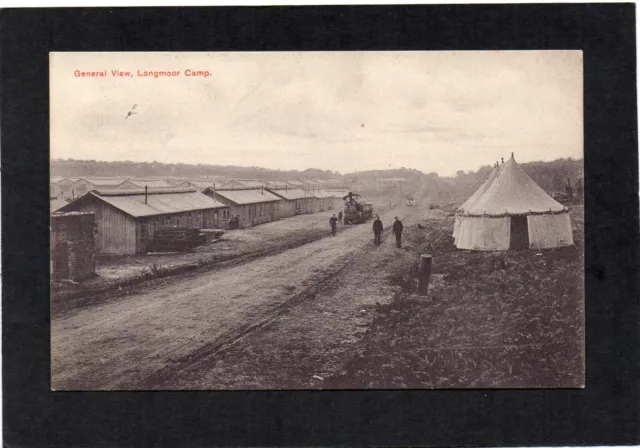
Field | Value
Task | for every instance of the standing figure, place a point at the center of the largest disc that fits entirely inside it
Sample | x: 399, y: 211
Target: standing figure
x: 377, y: 230
x: 333, y: 221
x: 397, y: 231
x: 340, y: 217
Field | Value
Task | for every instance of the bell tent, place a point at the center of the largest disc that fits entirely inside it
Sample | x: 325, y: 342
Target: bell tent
x: 510, y: 211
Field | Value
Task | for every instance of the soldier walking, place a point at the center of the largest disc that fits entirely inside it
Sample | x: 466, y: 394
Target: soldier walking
x: 377, y: 230
x: 397, y: 231
x: 333, y: 222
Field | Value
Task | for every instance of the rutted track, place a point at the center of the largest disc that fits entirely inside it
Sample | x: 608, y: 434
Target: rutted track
x: 226, y: 340
x: 134, y: 342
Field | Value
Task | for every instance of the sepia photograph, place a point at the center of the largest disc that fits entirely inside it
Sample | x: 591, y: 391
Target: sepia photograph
x: 316, y: 220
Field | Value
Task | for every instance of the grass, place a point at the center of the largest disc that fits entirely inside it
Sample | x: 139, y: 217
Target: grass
x: 491, y: 319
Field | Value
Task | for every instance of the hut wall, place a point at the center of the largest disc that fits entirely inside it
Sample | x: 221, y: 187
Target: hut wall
x: 250, y: 214
x: 116, y: 230
x: 285, y: 208
x: 259, y: 213
x: 55, y: 191
x: 314, y: 205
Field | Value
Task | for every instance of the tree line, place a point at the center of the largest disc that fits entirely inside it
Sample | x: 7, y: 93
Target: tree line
x: 551, y: 176
x: 127, y: 168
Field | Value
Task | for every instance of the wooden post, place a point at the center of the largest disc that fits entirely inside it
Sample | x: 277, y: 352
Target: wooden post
x: 424, y: 274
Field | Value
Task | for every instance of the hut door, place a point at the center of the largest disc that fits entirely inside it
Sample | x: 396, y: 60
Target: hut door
x: 144, y: 237
x: 519, y: 233
x: 61, y: 261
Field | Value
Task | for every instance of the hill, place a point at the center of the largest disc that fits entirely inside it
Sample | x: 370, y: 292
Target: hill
x: 126, y: 168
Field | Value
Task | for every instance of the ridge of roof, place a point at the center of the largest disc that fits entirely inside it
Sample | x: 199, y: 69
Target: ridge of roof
x: 141, y: 191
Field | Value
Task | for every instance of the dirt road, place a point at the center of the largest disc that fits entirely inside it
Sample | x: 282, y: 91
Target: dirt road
x: 173, y: 337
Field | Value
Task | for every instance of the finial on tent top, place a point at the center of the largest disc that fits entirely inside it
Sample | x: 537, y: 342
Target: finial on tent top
x: 512, y: 155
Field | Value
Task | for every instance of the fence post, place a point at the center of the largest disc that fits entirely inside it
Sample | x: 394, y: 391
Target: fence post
x: 425, y: 274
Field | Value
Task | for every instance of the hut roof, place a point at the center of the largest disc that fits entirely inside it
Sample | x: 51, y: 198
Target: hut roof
x: 291, y: 194
x: 296, y: 183
x: 103, y: 181
x: 247, y: 196
x: 151, y: 183
x: 322, y: 194
x: 158, y: 202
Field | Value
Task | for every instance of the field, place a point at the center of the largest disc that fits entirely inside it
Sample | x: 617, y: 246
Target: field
x: 512, y: 319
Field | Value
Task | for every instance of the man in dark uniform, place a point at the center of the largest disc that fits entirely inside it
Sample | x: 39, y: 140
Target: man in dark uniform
x: 397, y: 231
x: 377, y: 230
x: 333, y: 222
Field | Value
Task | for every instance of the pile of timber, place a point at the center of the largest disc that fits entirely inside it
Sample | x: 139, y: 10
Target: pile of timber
x: 212, y: 234
x: 176, y: 239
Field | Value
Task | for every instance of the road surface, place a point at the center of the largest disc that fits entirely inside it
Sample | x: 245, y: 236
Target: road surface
x: 175, y: 337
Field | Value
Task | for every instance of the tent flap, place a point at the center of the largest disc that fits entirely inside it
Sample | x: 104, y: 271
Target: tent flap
x: 483, y: 233
x: 547, y: 231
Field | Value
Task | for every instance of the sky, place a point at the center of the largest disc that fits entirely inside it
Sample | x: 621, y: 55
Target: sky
x: 343, y: 111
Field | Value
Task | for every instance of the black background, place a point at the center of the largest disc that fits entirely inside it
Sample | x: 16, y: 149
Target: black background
x: 605, y: 412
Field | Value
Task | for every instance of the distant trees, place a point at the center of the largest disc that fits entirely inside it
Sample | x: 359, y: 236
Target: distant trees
x: 551, y: 176
x: 127, y: 168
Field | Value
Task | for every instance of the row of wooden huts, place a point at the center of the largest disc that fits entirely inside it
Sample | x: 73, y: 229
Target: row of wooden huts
x: 70, y: 188
x: 126, y: 219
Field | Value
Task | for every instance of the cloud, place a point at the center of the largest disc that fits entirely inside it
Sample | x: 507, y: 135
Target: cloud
x: 434, y: 111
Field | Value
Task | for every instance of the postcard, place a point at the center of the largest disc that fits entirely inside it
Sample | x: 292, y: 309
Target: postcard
x: 317, y: 220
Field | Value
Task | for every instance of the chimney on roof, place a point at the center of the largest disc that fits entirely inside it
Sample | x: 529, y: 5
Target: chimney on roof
x: 145, y: 194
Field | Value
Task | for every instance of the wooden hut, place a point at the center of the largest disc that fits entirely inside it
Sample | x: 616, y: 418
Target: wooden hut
x: 149, y: 183
x: 252, y: 205
x: 325, y: 200
x: 126, y: 219
x: 294, y: 201
x: 86, y: 184
x: 63, y: 187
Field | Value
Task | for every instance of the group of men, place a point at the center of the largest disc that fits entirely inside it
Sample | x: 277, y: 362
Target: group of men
x: 377, y: 229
